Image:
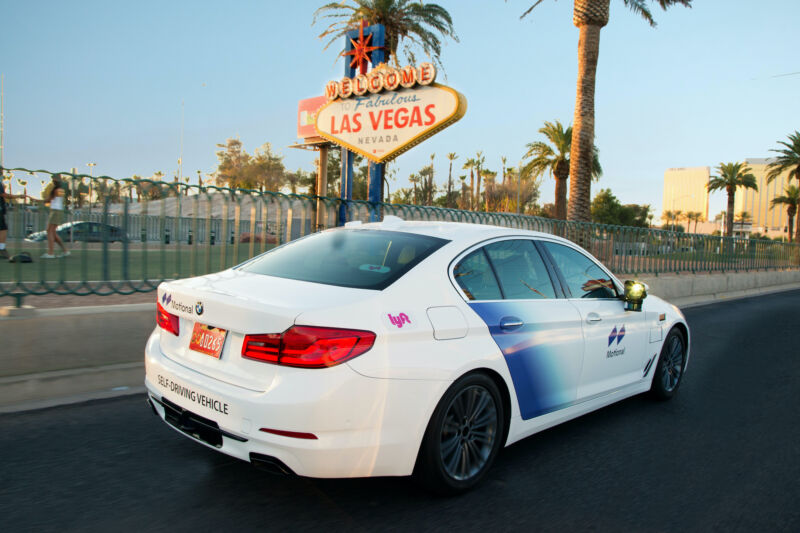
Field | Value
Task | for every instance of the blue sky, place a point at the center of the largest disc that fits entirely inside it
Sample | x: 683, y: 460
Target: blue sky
x: 99, y: 81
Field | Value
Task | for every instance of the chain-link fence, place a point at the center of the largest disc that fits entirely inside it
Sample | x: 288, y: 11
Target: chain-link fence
x: 126, y: 235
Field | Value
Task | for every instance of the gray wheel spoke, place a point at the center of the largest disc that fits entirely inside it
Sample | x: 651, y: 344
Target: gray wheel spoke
x: 464, y: 461
x: 480, y: 407
x: 488, y: 417
x: 484, y: 437
x: 450, y: 445
x: 452, y: 460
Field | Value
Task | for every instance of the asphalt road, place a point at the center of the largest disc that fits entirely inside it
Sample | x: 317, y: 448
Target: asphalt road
x: 723, y: 455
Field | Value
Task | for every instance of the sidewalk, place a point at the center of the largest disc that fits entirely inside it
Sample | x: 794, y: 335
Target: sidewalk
x: 72, y: 354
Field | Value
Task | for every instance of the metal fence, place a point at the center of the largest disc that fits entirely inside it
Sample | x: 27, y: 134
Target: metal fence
x: 126, y: 236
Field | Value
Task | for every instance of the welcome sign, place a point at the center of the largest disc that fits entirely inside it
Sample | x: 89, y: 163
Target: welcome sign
x: 382, y: 125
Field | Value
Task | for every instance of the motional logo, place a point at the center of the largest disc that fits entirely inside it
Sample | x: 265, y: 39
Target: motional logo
x: 168, y: 301
x: 198, y: 308
x: 616, y: 335
x: 399, y: 320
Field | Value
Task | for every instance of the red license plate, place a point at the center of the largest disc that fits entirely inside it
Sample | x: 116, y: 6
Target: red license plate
x: 207, y: 339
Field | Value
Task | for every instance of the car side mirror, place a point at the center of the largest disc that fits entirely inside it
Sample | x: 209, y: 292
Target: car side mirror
x: 635, y: 292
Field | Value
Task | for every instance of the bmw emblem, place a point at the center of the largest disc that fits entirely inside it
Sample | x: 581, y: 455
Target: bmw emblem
x: 198, y: 308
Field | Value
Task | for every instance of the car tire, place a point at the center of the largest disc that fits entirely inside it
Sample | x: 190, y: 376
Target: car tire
x: 463, y: 436
x: 669, y: 370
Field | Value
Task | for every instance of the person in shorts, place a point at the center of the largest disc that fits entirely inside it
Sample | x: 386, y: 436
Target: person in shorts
x: 3, y: 222
x: 55, y: 195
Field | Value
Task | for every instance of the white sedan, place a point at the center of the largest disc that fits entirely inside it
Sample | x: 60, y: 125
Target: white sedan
x: 399, y: 348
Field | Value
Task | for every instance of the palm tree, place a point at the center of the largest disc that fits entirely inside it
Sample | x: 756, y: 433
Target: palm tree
x: 743, y: 216
x: 554, y: 158
x: 423, y: 26
x: 732, y: 176
x: 490, y: 201
x: 450, y: 157
x: 590, y: 16
x: 470, y: 164
x: 463, y: 198
x: 791, y: 199
x: 414, y: 179
x: 789, y: 159
x: 479, y: 161
x: 430, y: 182
x: 693, y: 216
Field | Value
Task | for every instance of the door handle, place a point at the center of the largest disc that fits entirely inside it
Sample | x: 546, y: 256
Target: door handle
x: 593, y: 317
x: 510, y: 322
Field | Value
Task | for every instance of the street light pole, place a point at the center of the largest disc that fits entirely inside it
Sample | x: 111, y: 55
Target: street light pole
x: 2, y: 117
x: 180, y: 155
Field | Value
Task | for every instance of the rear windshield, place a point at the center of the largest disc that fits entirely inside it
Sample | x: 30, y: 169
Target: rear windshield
x: 363, y: 259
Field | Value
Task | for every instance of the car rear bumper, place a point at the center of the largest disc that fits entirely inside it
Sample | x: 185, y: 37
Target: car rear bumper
x: 363, y: 426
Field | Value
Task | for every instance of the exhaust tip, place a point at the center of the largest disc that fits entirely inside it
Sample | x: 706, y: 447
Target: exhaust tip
x: 270, y: 464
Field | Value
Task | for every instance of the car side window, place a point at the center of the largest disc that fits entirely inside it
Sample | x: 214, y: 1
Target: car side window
x: 520, y: 270
x: 475, y: 277
x: 584, y: 278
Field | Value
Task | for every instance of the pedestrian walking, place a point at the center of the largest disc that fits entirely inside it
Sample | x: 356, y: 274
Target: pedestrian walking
x: 55, y: 195
x: 3, y: 223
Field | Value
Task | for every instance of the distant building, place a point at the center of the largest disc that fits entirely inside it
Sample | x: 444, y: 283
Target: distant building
x: 685, y: 190
x: 772, y: 222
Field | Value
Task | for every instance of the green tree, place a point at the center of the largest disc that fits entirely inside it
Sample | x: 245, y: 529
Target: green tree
x: 265, y: 170
x: 233, y: 162
x: 412, y: 24
x: 732, y: 176
x: 791, y: 199
x: 607, y: 209
x: 787, y: 160
x: 590, y: 16
x: 554, y: 159
x: 479, y: 161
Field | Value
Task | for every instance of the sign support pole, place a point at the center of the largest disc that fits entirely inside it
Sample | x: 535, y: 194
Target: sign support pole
x: 346, y: 184
x: 322, y: 187
x: 377, y: 170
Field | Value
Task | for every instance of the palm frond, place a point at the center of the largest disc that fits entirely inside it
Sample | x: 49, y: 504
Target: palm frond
x: 789, y: 159
x: 530, y: 9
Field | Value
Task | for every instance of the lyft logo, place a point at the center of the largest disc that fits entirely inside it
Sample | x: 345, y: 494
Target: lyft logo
x: 399, y: 320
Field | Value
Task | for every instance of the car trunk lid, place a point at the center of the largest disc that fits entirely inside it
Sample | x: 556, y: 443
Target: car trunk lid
x: 241, y: 303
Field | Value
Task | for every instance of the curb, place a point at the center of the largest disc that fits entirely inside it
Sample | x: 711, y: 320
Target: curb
x: 710, y: 299
x: 27, y: 311
x: 59, y: 387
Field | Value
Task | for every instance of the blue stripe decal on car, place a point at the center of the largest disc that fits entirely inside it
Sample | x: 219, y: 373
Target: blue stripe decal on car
x: 543, y: 380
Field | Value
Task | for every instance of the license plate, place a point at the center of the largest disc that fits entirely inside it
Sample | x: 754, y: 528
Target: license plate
x: 207, y: 339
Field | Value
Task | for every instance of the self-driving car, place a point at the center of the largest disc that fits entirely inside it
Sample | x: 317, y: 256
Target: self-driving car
x: 400, y: 348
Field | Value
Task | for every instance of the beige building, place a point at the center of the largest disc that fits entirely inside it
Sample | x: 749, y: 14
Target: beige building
x: 772, y: 222
x: 685, y: 190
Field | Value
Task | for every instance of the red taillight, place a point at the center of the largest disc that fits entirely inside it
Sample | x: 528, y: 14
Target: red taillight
x: 166, y: 320
x: 308, y: 346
